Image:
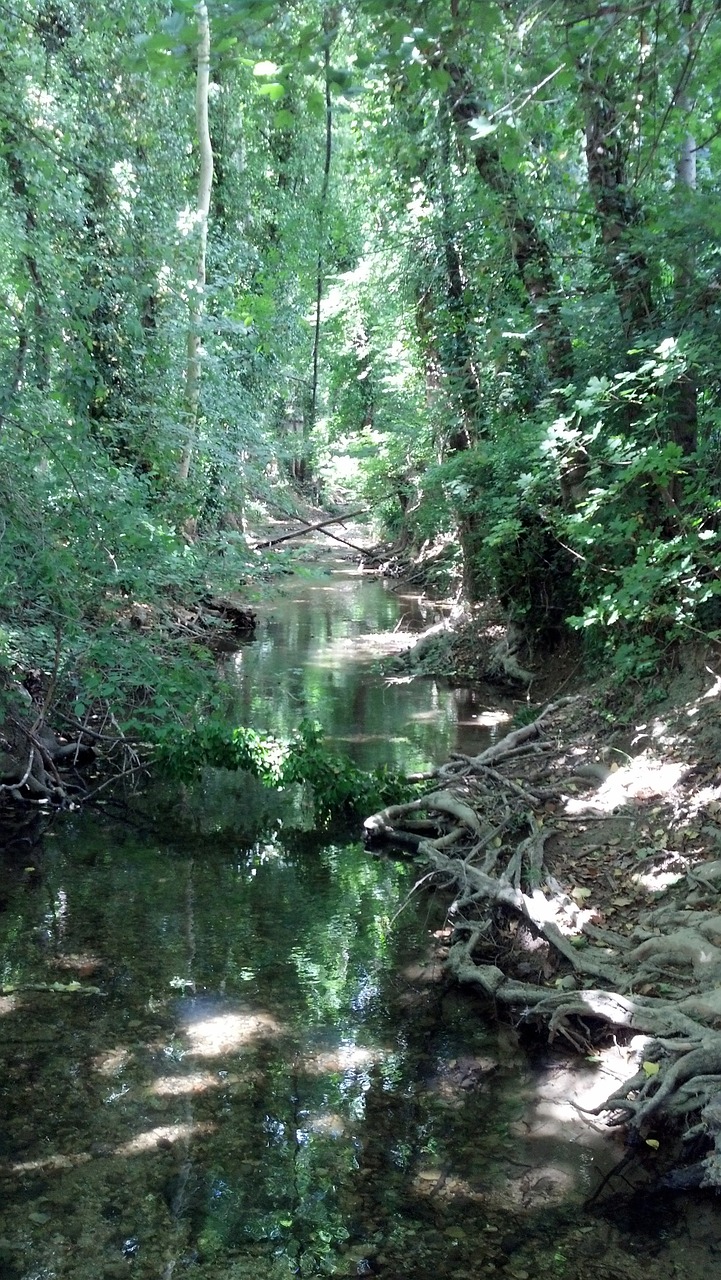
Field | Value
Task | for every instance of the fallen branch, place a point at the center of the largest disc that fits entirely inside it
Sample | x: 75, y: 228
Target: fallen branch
x: 310, y: 528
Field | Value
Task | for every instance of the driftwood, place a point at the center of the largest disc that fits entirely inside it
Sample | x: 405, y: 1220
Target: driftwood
x: 483, y: 836
x: 311, y: 528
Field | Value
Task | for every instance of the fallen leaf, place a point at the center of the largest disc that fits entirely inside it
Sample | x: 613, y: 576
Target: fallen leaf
x: 651, y: 1069
x: 579, y: 893
x: 653, y: 1142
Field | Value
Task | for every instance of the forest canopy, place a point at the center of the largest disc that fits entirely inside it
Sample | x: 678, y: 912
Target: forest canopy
x: 457, y: 258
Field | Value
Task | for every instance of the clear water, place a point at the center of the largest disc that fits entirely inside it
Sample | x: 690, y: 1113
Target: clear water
x: 320, y: 651
x: 225, y: 1056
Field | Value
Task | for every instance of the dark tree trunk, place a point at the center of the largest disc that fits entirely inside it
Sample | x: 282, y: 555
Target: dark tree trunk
x: 617, y: 211
x: 529, y: 248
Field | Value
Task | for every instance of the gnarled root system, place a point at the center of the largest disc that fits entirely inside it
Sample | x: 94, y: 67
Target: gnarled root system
x: 523, y: 941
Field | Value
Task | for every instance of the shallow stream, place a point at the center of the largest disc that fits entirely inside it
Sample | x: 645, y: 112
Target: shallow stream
x: 232, y: 1056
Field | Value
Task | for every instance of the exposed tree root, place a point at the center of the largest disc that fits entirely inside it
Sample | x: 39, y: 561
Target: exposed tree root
x: 43, y: 767
x: 484, y: 835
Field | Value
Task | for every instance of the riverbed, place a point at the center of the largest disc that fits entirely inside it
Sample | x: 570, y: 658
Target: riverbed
x: 228, y: 1048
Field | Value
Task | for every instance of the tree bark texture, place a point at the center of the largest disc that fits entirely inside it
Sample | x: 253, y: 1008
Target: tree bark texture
x: 529, y: 248
x: 320, y: 272
x: 205, y: 184
x: 617, y: 210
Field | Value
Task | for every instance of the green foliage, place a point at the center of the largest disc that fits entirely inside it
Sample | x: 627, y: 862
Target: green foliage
x: 646, y: 532
x: 464, y: 237
x: 340, y: 790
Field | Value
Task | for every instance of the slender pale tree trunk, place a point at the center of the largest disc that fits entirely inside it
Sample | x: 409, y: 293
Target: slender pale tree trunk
x: 197, y: 287
x: 684, y: 422
x: 328, y: 24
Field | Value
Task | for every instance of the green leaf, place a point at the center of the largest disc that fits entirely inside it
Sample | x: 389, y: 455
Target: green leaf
x: 272, y: 91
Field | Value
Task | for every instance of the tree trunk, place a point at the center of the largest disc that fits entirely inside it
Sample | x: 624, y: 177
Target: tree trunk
x: 328, y: 26
x: 205, y: 183
x: 530, y: 250
x: 684, y: 420
x: 617, y: 211
x: 38, y: 339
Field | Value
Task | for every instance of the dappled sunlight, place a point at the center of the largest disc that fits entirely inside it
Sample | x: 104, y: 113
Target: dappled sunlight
x: 487, y: 719
x: 709, y: 695
x: 346, y: 1057
x: 163, y: 1135
x: 355, y: 738
x: 529, y: 1188
x: 367, y: 647
x: 659, y: 878
x: 8, y: 1004
x: 566, y: 1094
x: 212, y: 1037
x: 644, y: 777
x: 50, y: 1164
x: 491, y: 718
x: 187, y: 1085
x: 707, y: 800
x: 560, y: 910
x: 429, y: 717
x: 437, y: 1183
x: 323, y: 1124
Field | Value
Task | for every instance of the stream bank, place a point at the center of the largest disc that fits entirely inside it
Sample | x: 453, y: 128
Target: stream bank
x: 228, y: 1055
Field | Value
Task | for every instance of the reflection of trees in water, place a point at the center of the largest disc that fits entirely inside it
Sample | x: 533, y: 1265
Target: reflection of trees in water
x: 310, y: 659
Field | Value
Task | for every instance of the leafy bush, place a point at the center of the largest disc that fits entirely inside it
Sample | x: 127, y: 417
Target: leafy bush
x: 339, y: 788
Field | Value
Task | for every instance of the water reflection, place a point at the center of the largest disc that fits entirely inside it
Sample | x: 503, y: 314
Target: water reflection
x: 272, y: 1080
x: 318, y: 653
x: 219, y: 1060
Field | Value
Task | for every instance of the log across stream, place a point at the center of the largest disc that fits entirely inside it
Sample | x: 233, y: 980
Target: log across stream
x: 228, y: 1048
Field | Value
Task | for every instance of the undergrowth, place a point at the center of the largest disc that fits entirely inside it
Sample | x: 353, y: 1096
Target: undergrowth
x: 339, y: 788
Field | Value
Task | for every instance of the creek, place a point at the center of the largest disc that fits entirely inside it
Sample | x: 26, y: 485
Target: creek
x: 230, y: 1051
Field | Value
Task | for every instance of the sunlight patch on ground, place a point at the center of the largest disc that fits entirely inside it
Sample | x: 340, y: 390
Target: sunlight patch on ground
x: 644, y: 778
x: 714, y: 691
x: 8, y: 1004
x: 561, y: 910
x: 195, y: 1082
x: 347, y: 1057
x: 657, y: 879
x: 162, y: 1136
x: 50, y: 1164
x: 706, y: 800
x: 564, y: 1146
x: 212, y: 1037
